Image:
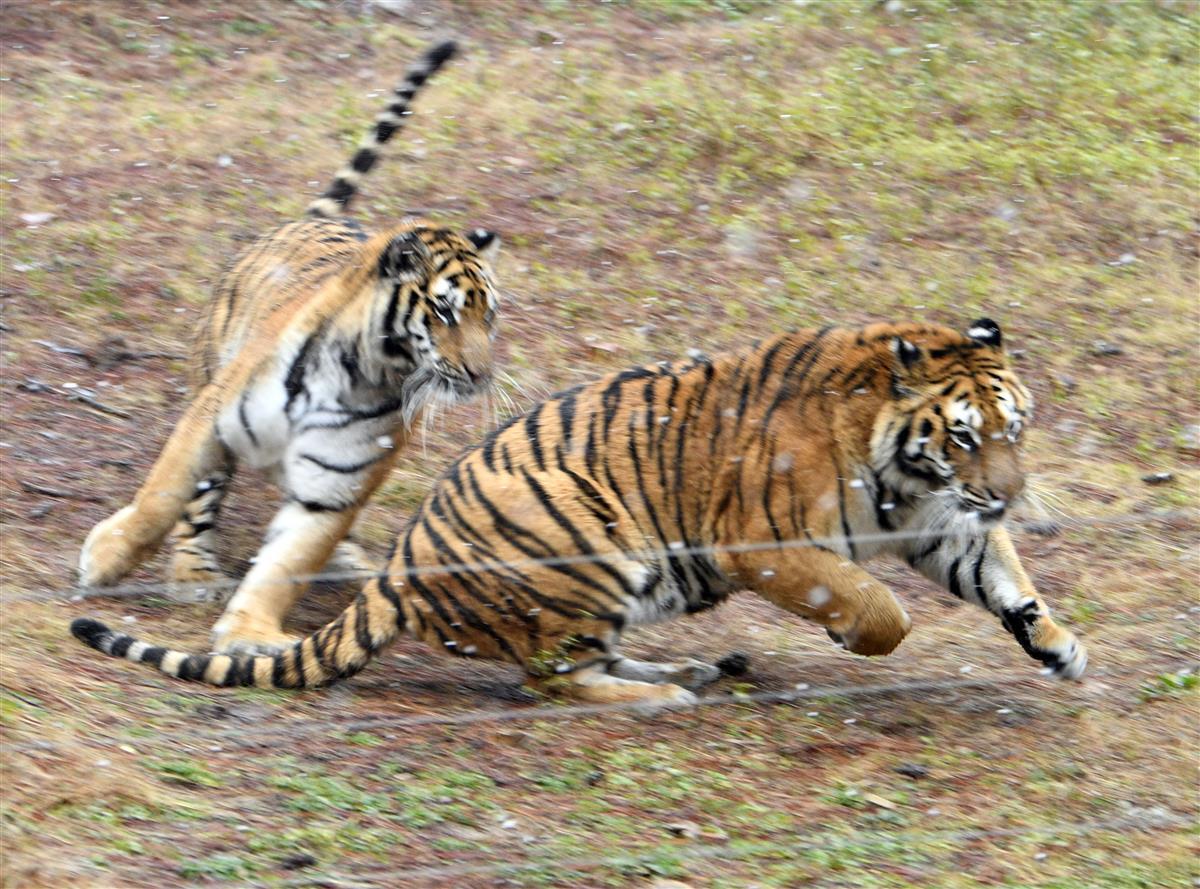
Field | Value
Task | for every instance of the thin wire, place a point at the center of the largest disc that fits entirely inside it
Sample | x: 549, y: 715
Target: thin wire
x: 252, y: 734
x: 738, y: 851
x: 175, y: 590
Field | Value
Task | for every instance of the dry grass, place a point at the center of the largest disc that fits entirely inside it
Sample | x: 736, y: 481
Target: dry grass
x: 666, y: 175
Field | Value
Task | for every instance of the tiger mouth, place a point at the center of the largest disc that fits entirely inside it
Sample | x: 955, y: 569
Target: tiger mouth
x: 985, y: 510
x: 462, y: 387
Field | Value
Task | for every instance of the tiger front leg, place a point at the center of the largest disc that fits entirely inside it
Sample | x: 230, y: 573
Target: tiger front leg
x: 117, y: 545
x: 856, y: 609
x: 299, y: 543
x: 984, y: 568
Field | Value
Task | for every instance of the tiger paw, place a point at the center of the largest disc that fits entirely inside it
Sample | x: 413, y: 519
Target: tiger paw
x: 196, y: 580
x: 242, y: 634
x: 1067, y: 660
x: 666, y: 696
x: 692, y: 674
x: 108, y: 553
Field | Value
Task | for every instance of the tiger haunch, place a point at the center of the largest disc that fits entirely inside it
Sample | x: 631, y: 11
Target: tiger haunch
x: 319, y: 350
x: 659, y: 491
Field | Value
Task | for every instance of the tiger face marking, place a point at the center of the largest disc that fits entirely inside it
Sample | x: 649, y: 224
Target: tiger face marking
x: 957, y: 431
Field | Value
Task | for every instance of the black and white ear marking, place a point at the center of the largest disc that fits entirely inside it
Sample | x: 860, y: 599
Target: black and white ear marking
x: 404, y: 257
x: 486, y: 243
x: 907, y: 353
x: 986, y: 332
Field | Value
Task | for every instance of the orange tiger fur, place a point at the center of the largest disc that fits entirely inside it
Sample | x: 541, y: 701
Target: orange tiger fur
x: 318, y: 351
x: 660, y: 490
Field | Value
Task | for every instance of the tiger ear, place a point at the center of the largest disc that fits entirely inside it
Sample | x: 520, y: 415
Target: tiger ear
x: 908, y: 354
x: 404, y: 258
x: 985, y: 332
x: 486, y: 244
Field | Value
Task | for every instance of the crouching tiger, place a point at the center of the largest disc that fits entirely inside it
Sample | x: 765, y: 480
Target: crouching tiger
x: 658, y: 491
x: 320, y: 348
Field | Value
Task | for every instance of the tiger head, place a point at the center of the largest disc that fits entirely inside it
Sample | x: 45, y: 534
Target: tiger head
x: 436, y: 310
x: 954, y: 425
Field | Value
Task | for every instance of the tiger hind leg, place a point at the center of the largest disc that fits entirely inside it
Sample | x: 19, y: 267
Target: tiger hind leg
x: 690, y: 674
x: 196, y: 575
x: 299, y: 542
x: 593, y: 684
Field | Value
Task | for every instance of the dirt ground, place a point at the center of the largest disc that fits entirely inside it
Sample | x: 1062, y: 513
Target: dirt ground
x: 665, y: 175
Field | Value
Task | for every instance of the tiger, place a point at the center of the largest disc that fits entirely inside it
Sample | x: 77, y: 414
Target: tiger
x: 661, y: 490
x: 319, y: 350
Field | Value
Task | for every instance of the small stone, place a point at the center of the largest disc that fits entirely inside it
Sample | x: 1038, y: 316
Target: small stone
x: 912, y: 770
x: 36, y: 218
x: 1158, y: 478
x: 298, y: 861
x: 689, y: 830
x: 1065, y: 383
x: 224, y: 160
x: 1106, y: 349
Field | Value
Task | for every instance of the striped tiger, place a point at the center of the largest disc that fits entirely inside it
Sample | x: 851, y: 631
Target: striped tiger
x: 659, y: 491
x: 320, y: 348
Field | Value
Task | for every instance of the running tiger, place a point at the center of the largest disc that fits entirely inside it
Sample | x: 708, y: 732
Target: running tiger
x: 659, y: 491
x: 320, y: 348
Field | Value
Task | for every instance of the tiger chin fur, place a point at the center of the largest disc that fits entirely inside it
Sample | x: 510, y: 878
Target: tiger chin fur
x: 658, y: 491
x: 321, y: 346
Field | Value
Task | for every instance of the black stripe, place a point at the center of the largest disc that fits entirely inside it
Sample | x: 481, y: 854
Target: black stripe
x: 363, y: 160
x: 121, y: 645
x: 566, y: 416
x: 533, y: 435
x: 768, y: 487
x: 293, y: 383
x: 977, y: 578
x: 340, y: 191
x: 513, y: 533
x: 154, y: 655
x: 469, y: 617
x: 842, y: 511
x: 582, y: 544
x: 193, y: 667
x: 344, y: 468
x: 318, y: 506
x: 808, y: 354
x: 245, y: 420
x: 952, y: 581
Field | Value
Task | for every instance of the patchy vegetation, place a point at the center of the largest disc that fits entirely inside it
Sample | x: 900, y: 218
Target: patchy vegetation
x: 666, y: 175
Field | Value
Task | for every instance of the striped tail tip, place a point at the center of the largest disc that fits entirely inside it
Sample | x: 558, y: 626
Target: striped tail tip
x: 441, y: 53
x: 92, y: 633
